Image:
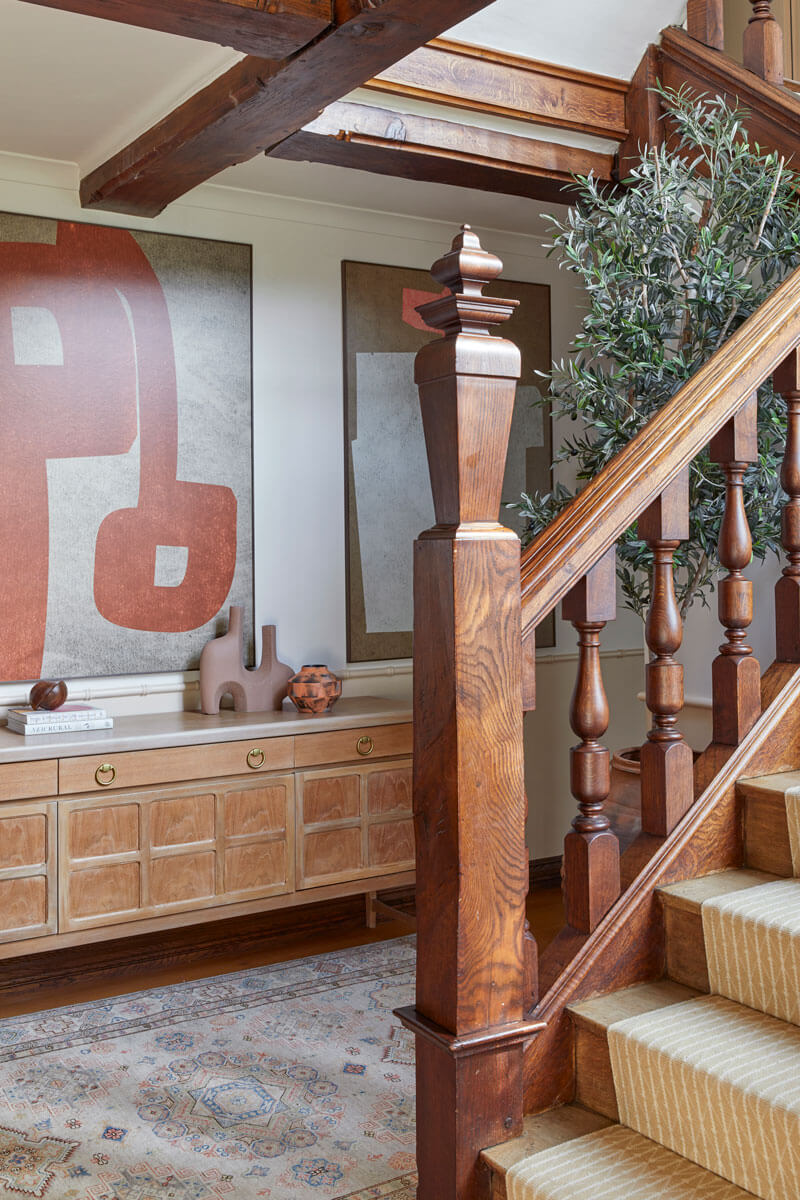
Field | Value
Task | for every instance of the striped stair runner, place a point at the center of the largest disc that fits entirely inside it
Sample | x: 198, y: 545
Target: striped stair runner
x: 614, y: 1163
x: 708, y: 1089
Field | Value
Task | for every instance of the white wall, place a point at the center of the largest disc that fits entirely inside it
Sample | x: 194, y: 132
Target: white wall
x: 298, y: 247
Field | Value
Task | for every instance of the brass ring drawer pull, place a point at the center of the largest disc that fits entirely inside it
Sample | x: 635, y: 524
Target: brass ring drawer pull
x: 105, y: 774
x: 365, y: 746
x: 255, y: 758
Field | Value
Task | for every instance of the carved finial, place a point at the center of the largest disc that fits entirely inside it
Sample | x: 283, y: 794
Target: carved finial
x: 465, y: 270
x: 468, y: 267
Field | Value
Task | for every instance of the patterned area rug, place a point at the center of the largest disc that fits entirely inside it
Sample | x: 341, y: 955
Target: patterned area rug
x: 292, y: 1081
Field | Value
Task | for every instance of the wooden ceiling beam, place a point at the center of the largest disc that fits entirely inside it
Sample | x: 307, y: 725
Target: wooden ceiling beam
x: 269, y: 28
x: 423, y: 148
x: 472, y: 77
x: 260, y: 102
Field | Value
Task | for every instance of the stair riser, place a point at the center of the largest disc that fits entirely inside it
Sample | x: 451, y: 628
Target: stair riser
x: 766, y: 833
x: 686, y: 948
x: 593, y: 1075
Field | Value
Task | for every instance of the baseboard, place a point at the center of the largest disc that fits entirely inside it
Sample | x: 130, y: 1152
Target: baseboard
x: 545, y: 872
x: 133, y: 956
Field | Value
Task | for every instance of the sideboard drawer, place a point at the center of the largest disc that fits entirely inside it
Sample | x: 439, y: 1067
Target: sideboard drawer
x: 140, y: 768
x: 28, y: 780
x: 353, y: 745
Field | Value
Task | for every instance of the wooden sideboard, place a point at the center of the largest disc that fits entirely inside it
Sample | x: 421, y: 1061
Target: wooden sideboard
x: 175, y: 818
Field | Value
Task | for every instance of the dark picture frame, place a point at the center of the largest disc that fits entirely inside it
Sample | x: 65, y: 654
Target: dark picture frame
x: 387, y: 488
x: 126, y: 429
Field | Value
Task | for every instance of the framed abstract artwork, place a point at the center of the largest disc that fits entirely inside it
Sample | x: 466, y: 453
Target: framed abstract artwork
x: 388, y: 494
x: 125, y: 446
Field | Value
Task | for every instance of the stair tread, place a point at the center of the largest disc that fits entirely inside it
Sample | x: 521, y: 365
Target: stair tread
x: 691, y: 893
x: 737, y: 1073
x: 752, y: 941
x: 542, y: 1131
x: 600, y: 1012
x: 615, y: 1164
x: 780, y: 783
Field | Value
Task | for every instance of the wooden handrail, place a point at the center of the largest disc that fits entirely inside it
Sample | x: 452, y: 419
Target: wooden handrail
x: 611, y: 502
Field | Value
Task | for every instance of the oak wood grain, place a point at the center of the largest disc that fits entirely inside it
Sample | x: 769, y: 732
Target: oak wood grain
x: 773, y: 118
x: 271, y: 28
x: 426, y: 148
x: 472, y: 77
x: 705, y: 21
x: 388, y: 741
x: 260, y: 101
x: 787, y: 590
x: 628, y: 946
x: 137, y: 768
x: 469, y: 797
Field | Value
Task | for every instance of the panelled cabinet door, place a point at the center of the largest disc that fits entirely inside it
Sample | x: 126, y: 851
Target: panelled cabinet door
x: 354, y: 823
x: 146, y: 853
x: 28, y: 906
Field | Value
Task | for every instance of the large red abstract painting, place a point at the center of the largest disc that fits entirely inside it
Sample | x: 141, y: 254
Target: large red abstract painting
x: 103, y: 337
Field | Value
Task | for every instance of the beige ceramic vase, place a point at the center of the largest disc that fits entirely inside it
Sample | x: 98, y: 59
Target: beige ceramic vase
x: 314, y: 689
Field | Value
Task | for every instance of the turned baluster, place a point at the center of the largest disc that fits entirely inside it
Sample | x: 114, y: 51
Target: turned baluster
x: 787, y: 589
x: 763, y: 43
x: 666, y: 759
x: 704, y: 22
x: 735, y: 674
x: 591, y: 851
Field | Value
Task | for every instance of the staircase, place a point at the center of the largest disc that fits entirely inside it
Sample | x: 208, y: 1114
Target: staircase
x: 689, y: 1088
x: 652, y: 1052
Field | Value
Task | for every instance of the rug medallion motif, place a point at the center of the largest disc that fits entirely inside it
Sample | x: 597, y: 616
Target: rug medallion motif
x: 292, y: 1081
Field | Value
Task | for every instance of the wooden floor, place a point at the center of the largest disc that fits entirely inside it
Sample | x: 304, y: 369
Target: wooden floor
x: 67, y: 977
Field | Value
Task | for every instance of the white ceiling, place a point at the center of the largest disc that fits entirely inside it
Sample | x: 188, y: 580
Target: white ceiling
x: 77, y: 89
x: 608, y: 37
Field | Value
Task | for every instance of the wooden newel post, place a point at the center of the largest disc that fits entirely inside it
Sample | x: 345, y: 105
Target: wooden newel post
x: 735, y: 673
x: 787, y: 589
x: 666, y: 759
x: 763, y: 43
x: 469, y: 796
x: 591, y: 851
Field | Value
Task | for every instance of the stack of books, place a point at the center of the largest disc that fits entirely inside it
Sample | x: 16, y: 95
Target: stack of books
x: 69, y: 718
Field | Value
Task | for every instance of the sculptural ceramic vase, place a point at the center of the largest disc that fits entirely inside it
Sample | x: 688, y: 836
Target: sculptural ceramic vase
x: 257, y: 689
x: 314, y: 689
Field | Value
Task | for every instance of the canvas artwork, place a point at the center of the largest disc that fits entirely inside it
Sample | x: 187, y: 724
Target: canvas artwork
x: 389, y: 499
x: 125, y: 446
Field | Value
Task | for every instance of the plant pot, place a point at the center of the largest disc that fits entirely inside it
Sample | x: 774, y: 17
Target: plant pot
x: 627, y: 760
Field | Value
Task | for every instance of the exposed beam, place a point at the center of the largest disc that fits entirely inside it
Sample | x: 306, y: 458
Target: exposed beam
x: 487, y: 81
x: 270, y: 28
x: 260, y: 102
x: 426, y: 148
x: 774, y: 112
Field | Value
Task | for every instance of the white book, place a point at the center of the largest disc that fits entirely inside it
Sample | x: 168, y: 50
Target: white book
x: 66, y: 712
x: 60, y: 726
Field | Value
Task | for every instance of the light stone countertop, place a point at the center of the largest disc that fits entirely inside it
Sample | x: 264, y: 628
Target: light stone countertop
x: 155, y: 731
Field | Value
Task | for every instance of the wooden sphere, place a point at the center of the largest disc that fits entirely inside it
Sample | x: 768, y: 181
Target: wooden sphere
x: 48, y: 694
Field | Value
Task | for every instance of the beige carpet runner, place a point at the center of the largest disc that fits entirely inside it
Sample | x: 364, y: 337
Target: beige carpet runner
x: 718, y: 1083
x: 614, y: 1164
x: 709, y: 1089
x: 753, y: 947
